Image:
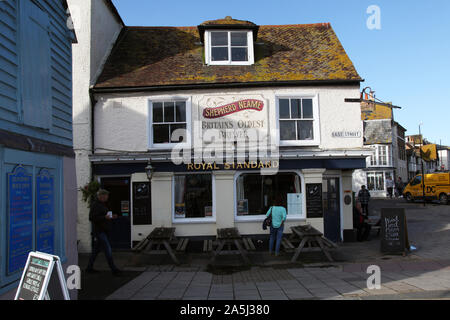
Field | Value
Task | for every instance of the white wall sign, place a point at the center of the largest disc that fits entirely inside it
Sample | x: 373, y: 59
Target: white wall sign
x: 346, y: 134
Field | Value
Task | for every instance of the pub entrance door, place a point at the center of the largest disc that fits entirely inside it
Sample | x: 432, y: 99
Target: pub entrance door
x: 119, y: 204
x: 332, y: 212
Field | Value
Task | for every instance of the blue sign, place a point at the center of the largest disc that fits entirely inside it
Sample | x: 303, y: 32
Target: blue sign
x: 20, y: 207
x: 45, y: 212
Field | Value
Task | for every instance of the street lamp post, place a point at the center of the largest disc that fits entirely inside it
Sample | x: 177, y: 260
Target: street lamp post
x: 421, y: 161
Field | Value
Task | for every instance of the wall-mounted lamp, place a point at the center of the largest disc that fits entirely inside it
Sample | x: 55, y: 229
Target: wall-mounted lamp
x: 149, y: 170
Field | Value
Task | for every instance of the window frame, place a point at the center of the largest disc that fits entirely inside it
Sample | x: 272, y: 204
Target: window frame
x: 316, y: 121
x: 195, y: 220
x: 260, y: 218
x: 376, y: 163
x: 150, y: 124
x: 250, y: 49
x: 374, y: 174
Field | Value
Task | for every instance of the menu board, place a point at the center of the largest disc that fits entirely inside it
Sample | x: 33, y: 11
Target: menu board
x: 35, y: 276
x: 20, y: 219
x: 394, y: 234
x: 314, y: 205
x: 42, y: 279
x: 142, y: 210
x: 45, y: 212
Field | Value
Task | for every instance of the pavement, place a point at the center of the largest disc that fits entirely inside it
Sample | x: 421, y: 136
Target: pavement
x: 423, y: 274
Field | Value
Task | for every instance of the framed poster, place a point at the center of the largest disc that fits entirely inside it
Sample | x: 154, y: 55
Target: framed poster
x: 180, y: 210
x: 295, y: 204
x: 20, y: 218
x: 242, y: 207
x: 208, y: 211
x: 45, y: 212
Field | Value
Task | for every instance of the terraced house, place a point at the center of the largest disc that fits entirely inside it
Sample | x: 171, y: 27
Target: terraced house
x: 167, y: 99
x: 37, y: 164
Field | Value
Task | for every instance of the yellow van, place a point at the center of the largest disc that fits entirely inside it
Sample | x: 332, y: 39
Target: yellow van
x: 437, y: 187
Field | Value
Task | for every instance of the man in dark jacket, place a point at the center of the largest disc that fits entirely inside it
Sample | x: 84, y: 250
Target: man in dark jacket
x: 364, y: 198
x: 360, y: 223
x: 100, y: 218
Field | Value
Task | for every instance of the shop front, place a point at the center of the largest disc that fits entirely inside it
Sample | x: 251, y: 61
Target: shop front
x: 199, y: 201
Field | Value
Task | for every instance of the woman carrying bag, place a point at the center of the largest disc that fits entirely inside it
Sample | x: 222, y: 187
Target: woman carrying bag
x: 275, y: 219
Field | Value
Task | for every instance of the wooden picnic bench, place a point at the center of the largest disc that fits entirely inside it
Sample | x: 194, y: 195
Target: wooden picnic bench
x: 162, y: 237
x: 311, y: 240
x: 229, y: 237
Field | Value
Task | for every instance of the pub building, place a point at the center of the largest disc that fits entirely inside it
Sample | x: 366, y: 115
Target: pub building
x: 273, y: 95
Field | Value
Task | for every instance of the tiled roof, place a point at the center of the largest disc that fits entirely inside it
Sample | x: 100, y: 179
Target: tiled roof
x: 171, y: 56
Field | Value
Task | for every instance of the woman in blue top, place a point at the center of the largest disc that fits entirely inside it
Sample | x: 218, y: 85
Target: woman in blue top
x: 276, y: 229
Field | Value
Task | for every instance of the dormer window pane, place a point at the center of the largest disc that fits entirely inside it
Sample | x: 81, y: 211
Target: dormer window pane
x: 239, y: 39
x: 219, y: 38
x: 219, y: 53
x: 239, y: 54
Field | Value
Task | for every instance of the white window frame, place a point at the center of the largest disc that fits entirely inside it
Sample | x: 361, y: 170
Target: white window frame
x: 171, y: 145
x: 250, y: 49
x: 375, y: 173
x: 260, y: 218
x: 316, y: 121
x: 195, y: 220
x: 376, y: 156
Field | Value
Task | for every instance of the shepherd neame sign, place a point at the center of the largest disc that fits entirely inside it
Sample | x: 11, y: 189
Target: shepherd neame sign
x: 218, y: 112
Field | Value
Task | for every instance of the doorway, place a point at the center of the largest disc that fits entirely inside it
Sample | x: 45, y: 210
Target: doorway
x: 119, y: 204
x: 332, y: 209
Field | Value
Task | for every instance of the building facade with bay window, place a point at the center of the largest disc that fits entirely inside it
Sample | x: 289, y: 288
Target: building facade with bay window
x: 230, y: 116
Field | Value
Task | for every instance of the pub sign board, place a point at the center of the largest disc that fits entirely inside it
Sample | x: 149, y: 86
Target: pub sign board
x: 394, y: 231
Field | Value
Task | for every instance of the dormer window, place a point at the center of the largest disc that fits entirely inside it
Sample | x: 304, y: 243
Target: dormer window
x: 228, y: 41
x: 229, y: 47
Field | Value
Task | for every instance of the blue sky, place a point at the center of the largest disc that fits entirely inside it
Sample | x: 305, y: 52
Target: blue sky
x: 407, y: 61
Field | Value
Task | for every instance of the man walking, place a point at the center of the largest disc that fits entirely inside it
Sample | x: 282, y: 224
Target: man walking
x: 364, y: 198
x: 100, y: 218
x: 390, y: 186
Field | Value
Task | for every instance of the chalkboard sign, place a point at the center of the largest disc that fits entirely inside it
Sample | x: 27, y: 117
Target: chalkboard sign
x: 314, y: 205
x: 142, y: 209
x: 394, y: 232
x: 36, y: 276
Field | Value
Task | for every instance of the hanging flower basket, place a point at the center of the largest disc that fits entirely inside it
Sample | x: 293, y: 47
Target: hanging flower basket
x: 89, y: 192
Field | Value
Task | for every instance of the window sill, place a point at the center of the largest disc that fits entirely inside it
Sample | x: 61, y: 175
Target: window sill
x: 168, y: 146
x: 298, y: 143
x: 194, y: 221
x: 261, y: 218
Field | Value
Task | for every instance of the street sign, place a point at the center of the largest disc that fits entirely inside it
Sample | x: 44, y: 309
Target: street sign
x: 36, y: 276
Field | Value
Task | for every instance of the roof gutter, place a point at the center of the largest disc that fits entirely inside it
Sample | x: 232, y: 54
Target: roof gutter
x: 226, y: 85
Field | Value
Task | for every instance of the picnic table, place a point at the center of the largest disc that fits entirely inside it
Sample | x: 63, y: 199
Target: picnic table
x: 228, y: 237
x: 161, y: 236
x: 311, y: 236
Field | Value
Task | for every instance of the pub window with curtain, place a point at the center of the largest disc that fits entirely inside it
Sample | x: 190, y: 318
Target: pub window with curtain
x: 296, y: 120
x: 193, y: 196
x: 256, y: 193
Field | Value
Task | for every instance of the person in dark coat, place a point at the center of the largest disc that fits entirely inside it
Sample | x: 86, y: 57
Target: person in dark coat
x: 364, y: 198
x: 100, y: 217
x: 360, y: 223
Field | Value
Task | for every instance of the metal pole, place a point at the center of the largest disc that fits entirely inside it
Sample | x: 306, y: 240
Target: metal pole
x: 423, y: 174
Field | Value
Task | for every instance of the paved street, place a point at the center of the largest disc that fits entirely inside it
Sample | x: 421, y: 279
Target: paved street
x: 423, y: 274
